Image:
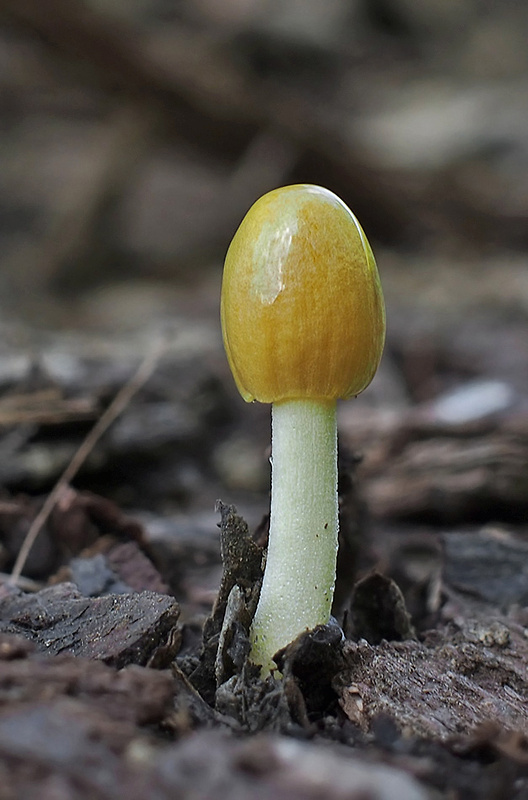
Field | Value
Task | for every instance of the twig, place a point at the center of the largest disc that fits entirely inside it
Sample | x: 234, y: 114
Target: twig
x: 26, y: 584
x: 119, y: 403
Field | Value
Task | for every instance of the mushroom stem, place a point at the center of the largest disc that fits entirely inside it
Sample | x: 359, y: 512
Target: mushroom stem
x: 299, y: 579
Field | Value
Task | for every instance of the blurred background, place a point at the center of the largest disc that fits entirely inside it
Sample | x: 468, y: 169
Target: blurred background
x: 134, y: 136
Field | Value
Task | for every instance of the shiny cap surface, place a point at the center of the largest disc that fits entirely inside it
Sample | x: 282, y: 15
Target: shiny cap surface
x: 302, y: 307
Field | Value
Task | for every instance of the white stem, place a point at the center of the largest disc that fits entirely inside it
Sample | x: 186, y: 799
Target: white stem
x: 299, y: 579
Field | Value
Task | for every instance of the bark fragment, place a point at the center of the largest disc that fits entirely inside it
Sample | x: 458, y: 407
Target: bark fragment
x: 117, y: 629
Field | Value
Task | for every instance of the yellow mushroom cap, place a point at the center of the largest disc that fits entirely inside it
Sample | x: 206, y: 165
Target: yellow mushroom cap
x: 302, y: 307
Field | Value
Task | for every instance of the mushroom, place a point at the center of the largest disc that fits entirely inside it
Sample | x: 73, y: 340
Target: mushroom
x: 303, y: 324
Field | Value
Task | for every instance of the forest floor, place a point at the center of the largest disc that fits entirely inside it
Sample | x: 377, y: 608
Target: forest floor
x: 123, y: 667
